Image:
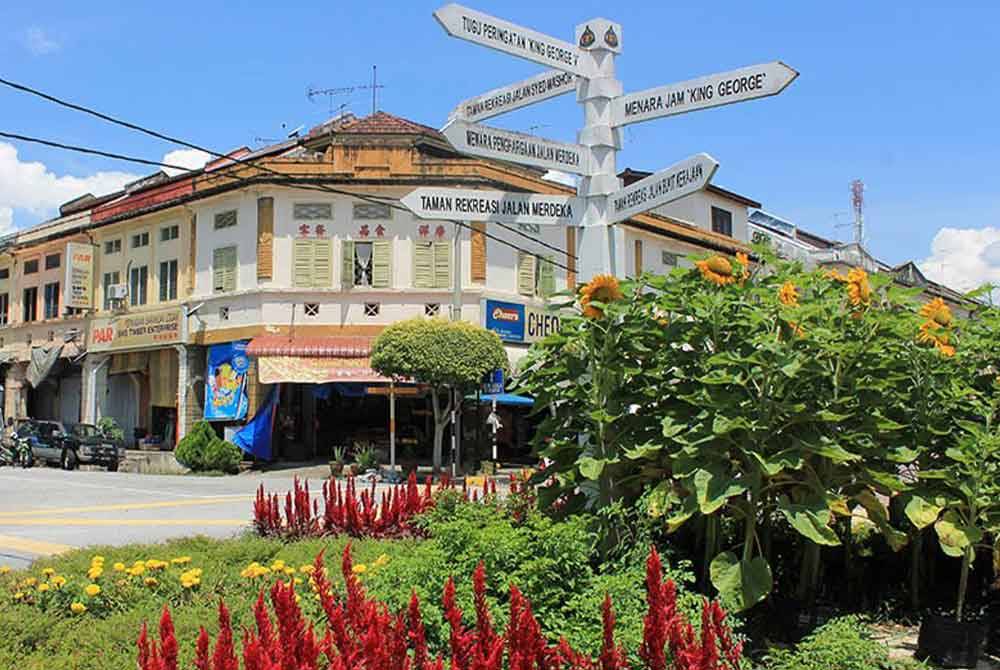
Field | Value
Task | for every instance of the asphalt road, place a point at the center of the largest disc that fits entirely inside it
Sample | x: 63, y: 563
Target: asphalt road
x: 46, y: 511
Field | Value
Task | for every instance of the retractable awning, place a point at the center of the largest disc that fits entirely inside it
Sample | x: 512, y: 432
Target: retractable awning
x: 314, y: 359
x: 504, y: 399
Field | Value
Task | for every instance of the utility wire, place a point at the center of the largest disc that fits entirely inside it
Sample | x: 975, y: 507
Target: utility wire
x: 176, y: 140
x: 85, y: 150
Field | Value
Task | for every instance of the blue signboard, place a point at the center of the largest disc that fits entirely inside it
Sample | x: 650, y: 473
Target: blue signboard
x: 225, y: 389
x: 506, y: 319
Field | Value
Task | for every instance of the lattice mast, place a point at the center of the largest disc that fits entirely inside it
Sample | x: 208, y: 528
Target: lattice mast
x: 858, y: 204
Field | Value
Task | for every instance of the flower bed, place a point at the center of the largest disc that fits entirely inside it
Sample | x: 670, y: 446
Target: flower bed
x: 361, y: 632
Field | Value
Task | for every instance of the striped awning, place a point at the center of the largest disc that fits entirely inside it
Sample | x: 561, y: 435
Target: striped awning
x: 315, y: 346
x: 314, y: 359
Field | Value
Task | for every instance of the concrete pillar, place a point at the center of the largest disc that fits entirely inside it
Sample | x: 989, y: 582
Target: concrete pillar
x: 94, y: 386
x: 191, y: 364
x: 15, y: 391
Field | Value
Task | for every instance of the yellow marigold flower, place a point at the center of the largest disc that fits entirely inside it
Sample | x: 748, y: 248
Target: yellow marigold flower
x: 307, y: 569
x: 359, y: 569
x: 181, y: 560
x: 298, y: 580
x: 150, y: 581
x: 92, y: 590
x: 119, y: 567
x: 717, y: 270
x: 289, y: 570
x: 4, y: 569
x: 938, y: 312
x: 97, y: 559
x: 19, y: 596
x: 30, y: 581
x: 602, y: 288
x: 858, y: 290
x: 277, y: 565
x: 95, y: 573
x: 42, y: 588
x: 789, y: 295
x: 381, y: 560
x: 77, y: 608
x: 298, y: 598
x: 48, y: 572
x: 58, y: 581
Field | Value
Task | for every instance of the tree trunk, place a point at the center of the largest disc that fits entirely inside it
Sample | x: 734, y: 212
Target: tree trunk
x: 442, y: 415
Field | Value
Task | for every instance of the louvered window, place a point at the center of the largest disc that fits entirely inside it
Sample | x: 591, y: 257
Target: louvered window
x: 224, y: 267
x: 371, y: 210
x: 366, y: 264
x: 526, y: 273
x: 432, y: 264
x: 312, y: 264
x: 546, y: 277
x: 312, y: 211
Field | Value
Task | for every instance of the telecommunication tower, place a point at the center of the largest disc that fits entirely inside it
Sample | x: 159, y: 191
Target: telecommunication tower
x: 858, y: 204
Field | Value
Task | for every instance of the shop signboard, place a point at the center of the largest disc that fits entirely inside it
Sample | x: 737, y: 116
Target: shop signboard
x: 79, y: 276
x: 135, y: 331
x: 516, y: 322
x: 226, y: 386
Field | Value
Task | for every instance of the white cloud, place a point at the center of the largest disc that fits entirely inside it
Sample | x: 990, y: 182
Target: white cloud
x: 964, y: 258
x: 192, y: 159
x: 38, y: 42
x: 6, y: 219
x: 32, y: 186
x: 560, y: 177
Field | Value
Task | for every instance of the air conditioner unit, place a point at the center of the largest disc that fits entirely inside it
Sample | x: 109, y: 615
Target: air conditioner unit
x: 117, y: 292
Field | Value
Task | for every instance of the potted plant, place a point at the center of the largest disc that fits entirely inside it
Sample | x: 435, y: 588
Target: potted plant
x: 366, y: 459
x: 338, y: 457
x: 960, y: 495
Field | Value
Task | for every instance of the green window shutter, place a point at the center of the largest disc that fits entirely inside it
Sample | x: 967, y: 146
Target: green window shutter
x: 382, y: 264
x: 322, y: 263
x: 546, y: 277
x: 224, y: 265
x: 525, y: 274
x: 423, y: 265
x: 347, y: 264
x: 302, y: 264
x: 442, y: 264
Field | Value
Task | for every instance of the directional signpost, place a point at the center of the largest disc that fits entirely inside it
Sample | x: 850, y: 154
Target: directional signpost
x: 501, y: 206
x: 588, y: 65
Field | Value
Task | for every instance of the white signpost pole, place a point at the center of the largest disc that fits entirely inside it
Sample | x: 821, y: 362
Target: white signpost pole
x: 601, y: 248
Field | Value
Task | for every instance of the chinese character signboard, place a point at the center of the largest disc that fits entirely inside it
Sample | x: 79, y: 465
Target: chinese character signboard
x: 79, y: 275
x: 225, y: 388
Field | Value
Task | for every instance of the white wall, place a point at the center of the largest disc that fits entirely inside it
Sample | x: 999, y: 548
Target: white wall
x: 696, y: 209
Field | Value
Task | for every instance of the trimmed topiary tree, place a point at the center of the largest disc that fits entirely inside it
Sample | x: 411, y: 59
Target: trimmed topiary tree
x: 445, y: 355
x: 193, y: 447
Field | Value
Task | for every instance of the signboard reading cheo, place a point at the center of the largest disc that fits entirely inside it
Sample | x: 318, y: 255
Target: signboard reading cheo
x: 135, y: 331
x: 501, y: 206
x: 515, y: 322
x: 79, y: 276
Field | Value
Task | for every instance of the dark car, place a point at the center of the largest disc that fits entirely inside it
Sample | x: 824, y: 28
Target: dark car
x: 71, y: 444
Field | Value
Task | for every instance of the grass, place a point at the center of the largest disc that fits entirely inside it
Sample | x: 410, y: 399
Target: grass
x: 103, y: 638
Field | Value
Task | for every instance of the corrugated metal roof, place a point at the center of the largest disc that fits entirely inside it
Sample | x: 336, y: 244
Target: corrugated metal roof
x: 315, y: 346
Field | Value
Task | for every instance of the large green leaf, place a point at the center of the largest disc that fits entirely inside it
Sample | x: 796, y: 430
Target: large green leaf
x: 786, y: 459
x: 714, y: 487
x: 811, y: 521
x: 741, y: 584
x: 879, y: 515
x: 591, y: 467
x: 954, y: 535
x: 921, y: 512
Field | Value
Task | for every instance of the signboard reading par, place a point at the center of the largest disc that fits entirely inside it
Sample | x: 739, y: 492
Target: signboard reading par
x: 501, y: 206
x: 506, y: 145
x: 678, y: 180
x: 79, y: 275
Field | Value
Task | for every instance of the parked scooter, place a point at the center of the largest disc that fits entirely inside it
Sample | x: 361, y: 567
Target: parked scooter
x: 17, y: 451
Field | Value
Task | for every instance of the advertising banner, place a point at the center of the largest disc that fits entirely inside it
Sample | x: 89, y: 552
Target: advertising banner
x: 226, y: 386
x: 134, y: 331
x: 79, y: 275
x: 515, y: 322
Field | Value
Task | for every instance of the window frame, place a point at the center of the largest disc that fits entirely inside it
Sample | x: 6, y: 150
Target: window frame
x: 138, y: 282
x: 722, y: 219
x: 112, y: 247
x: 225, y: 288
x: 4, y: 309
x: 170, y: 232
x: 139, y: 240
x: 29, y: 305
x: 168, y: 288
x: 50, y: 301
x: 53, y: 265
x: 107, y: 284
x: 32, y: 263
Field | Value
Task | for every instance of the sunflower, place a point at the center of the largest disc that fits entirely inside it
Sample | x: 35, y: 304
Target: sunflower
x: 788, y: 295
x: 937, y: 311
x: 933, y: 333
x: 836, y: 275
x: 602, y: 288
x: 858, y: 290
x: 743, y: 260
x: 717, y: 270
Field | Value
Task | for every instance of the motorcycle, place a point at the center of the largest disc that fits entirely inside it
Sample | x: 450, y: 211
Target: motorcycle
x: 17, y: 451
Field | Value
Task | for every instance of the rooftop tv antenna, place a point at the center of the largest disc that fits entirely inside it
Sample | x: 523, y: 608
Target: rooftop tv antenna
x: 858, y: 205
x: 313, y: 93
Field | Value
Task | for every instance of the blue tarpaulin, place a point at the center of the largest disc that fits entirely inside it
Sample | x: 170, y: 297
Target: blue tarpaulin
x: 504, y: 399
x: 255, y: 437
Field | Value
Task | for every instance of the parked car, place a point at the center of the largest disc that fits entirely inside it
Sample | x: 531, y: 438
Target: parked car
x: 72, y: 444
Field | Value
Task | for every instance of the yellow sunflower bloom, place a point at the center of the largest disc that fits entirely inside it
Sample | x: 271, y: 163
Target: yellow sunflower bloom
x: 743, y: 260
x: 717, y: 270
x: 858, y: 290
x: 602, y: 288
x: 788, y: 295
x: 938, y: 312
x: 836, y: 275
x: 77, y: 608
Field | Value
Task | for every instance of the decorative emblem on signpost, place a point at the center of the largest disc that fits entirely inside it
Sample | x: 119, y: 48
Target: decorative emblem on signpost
x: 589, y: 66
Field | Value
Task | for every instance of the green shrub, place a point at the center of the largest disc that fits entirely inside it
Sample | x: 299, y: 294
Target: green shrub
x: 223, y: 456
x: 841, y: 644
x: 109, y: 427
x: 192, y: 447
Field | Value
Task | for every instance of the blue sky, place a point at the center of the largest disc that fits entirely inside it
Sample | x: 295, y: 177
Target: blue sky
x: 902, y: 95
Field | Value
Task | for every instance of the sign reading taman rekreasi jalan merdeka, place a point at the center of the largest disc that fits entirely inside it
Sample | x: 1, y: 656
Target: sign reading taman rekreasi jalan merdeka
x: 500, y: 206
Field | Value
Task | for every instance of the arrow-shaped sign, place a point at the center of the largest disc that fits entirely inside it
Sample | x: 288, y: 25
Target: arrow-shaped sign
x: 501, y: 206
x: 715, y: 90
x: 681, y: 179
x: 546, y: 85
x: 506, y: 145
x: 489, y: 31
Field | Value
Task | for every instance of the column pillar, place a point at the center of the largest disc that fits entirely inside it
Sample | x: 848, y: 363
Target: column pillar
x: 600, y: 247
x: 95, y: 380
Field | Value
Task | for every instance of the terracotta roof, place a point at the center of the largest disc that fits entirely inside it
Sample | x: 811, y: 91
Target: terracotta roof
x: 383, y: 123
x: 321, y: 346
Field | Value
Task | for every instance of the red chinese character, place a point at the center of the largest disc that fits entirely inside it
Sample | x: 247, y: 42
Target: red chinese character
x: 304, y: 230
x: 364, y: 231
x: 425, y: 230
x: 320, y: 230
x: 439, y: 231
x: 379, y: 230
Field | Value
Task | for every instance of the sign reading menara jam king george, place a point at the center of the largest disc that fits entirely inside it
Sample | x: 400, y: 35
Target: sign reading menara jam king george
x: 592, y: 62
x: 501, y: 206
